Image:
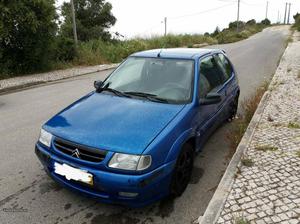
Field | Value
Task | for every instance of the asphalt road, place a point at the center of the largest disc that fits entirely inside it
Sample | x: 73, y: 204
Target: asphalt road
x: 28, y: 195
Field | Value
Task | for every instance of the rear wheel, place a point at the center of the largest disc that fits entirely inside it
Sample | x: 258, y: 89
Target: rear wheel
x: 182, y: 171
x: 233, y: 108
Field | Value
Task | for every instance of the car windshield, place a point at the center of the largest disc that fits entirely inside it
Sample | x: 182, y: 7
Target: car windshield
x: 170, y: 80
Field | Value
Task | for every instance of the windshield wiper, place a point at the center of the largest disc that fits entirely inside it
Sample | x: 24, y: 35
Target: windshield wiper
x: 149, y: 96
x: 114, y: 91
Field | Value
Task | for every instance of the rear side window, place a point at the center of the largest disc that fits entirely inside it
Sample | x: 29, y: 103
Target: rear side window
x: 211, y: 76
x: 225, y: 65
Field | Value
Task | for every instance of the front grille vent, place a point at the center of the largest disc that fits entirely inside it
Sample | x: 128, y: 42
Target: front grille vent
x: 79, y: 151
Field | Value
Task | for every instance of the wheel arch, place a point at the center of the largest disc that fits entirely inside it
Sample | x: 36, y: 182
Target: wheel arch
x: 187, y: 137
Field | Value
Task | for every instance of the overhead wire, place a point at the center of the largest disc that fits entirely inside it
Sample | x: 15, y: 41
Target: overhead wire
x: 201, y: 12
x: 190, y: 15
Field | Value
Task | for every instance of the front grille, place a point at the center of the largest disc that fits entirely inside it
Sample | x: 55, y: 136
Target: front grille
x: 79, y: 151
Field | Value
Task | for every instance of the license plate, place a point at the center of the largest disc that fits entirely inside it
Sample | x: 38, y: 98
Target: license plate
x: 71, y: 173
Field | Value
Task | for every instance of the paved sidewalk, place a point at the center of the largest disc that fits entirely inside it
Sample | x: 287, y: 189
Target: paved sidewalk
x: 29, y: 80
x: 266, y: 187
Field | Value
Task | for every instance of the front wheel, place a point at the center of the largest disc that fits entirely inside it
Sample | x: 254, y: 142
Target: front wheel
x: 182, y: 171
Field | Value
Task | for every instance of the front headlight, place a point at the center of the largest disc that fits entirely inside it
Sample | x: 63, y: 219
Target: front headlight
x: 45, y: 138
x: 130, y: 162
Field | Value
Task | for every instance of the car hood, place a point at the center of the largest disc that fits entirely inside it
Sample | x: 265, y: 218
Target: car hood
x: 112, y: 123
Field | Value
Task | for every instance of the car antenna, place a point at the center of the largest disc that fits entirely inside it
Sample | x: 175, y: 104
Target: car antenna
x: 163, y: 47
x: 158, y: 55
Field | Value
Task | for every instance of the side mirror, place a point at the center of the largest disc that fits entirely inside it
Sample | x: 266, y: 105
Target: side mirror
x: 98, y: 84
x: 211, y: 98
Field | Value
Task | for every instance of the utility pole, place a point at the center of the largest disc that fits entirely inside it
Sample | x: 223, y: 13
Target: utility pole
x: 238, y: 17
x: 165, y: 21
x: 278, y: 19
x: 288, y: 18
x: 284, y: 22
x: 74, y: 23
x: 267, y: 7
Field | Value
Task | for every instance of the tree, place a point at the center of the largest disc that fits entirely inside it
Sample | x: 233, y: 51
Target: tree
x: 27, y: 30
x: 93, y: 18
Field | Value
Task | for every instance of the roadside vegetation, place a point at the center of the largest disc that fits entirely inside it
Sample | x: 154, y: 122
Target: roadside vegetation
x: 247, y: 162
x: 240, y: 124
x: 266, y: 148
x: 297, y: 22
x: 36, y: 36
x: 241, y: 220
x: 293, y: 125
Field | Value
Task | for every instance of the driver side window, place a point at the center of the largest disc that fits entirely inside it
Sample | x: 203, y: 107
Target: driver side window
x: 211, y: 77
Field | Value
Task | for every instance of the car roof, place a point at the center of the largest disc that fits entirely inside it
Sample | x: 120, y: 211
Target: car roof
x: 181, y: 53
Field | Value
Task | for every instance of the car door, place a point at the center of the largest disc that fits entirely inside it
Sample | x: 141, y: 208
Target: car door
x: 211, y: 80
x: 229, y: 86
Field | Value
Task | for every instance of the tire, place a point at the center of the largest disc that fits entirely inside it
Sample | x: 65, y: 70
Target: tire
x: 233, y: 109
x: 183, y: 170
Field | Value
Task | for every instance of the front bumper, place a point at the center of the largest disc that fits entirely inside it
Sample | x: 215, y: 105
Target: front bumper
x: 149, y: 187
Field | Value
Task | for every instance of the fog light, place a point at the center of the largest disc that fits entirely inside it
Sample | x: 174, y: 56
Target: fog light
x: 128, y: 194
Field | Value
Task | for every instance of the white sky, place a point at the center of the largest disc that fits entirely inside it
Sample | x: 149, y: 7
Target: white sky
x: 144, y: 17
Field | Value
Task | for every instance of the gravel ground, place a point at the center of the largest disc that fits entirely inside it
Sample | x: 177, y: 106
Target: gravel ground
x: 266, y: 188
x: 22, y: 81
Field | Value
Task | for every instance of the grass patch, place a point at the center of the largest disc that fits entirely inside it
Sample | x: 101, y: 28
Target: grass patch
x: 247, y: 162
x: 298, y: 74
x: 293, y: 125
x: 298, y: 153
x: 265, y: 148
x: 241, y: 220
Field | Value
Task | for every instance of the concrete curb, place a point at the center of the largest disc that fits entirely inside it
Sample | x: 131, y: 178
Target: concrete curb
x: 217, y: 202
x: 28, y: 81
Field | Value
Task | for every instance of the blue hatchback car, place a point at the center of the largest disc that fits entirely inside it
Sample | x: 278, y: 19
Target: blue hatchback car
x: 132, y: 141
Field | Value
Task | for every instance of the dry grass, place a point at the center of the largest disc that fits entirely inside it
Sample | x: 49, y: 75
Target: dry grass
x: 298, y: 153
x: 298, y: 74
x: 249, y: 106
x: 289, y: 40
x: 239, y: 125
